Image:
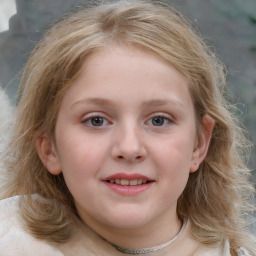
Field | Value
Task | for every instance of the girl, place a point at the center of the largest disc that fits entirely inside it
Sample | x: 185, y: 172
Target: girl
x: 124, y: 142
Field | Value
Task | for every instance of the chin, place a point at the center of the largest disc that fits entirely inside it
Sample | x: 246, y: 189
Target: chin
x: 128, y: 220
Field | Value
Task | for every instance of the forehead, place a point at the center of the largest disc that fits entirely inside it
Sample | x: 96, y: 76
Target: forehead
x: 117, y: 73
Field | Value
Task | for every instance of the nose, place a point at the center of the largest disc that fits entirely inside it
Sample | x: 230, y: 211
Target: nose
x: 129, y: 145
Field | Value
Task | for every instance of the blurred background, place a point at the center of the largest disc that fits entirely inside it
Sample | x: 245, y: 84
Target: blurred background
x: 229, y: 26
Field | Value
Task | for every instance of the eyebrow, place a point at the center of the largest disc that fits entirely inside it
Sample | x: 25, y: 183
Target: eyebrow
x: 95, y: 101
x: 163, y: 102
x: 105, y: 102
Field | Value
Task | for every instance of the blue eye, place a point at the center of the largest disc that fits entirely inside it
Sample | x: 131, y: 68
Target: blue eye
x: 159, y: 121
x: 95, y: 121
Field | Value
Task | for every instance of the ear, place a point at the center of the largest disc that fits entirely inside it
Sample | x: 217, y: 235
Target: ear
x: 47, y: 153
x: 202, y: 143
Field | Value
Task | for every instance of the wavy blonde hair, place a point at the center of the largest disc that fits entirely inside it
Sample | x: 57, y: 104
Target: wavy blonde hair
x: 216, y: 198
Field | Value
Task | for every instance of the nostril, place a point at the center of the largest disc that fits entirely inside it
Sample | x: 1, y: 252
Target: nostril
x: 136, y: 158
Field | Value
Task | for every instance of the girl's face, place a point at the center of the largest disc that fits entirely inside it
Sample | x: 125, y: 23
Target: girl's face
x: 126, y: 141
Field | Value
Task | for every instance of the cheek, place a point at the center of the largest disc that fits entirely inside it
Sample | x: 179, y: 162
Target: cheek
x: 81, y: 160
x: 176, y: 152
x: 174, y: 166
x: 172, y: 160
x: 80, y: 169
x: 80, y: 156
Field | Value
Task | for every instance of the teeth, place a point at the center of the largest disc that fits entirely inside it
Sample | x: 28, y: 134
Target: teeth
x: 124, y: 182
x: 133, y: 182
x: 139, y: 181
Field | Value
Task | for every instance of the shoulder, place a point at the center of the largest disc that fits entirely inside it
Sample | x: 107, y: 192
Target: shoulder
x: 213, y: 251
x: 222, y: 250
x: 14, y: 239
x: 242, y: 252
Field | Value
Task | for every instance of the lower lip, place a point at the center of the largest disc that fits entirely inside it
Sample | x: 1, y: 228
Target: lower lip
x: 129, y: 190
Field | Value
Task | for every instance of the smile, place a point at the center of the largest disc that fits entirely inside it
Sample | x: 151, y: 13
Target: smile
x: 125, y: 182
x: 128, y: 184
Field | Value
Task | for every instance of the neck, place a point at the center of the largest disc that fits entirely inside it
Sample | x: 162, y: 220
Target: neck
x: 139, y: 237
x: 150, y: 249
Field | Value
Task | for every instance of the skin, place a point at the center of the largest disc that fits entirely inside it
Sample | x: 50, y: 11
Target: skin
x: 128, y: 113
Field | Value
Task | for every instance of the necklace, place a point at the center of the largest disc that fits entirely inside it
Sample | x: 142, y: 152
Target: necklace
x: 150, y: 249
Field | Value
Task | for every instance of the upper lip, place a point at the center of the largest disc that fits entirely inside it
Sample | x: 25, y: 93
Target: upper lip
x: 126, y: 176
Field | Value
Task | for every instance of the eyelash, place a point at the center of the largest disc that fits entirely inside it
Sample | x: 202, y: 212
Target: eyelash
x: 165, y: 119
x: 89, y: 119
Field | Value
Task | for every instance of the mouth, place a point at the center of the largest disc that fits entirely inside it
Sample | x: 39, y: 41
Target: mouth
x: 126, y: 182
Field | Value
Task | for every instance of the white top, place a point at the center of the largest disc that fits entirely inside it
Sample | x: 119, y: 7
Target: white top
x: 15, y: 240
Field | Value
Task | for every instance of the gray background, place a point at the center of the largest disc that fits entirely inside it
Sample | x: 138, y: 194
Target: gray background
x: 229, y: 26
